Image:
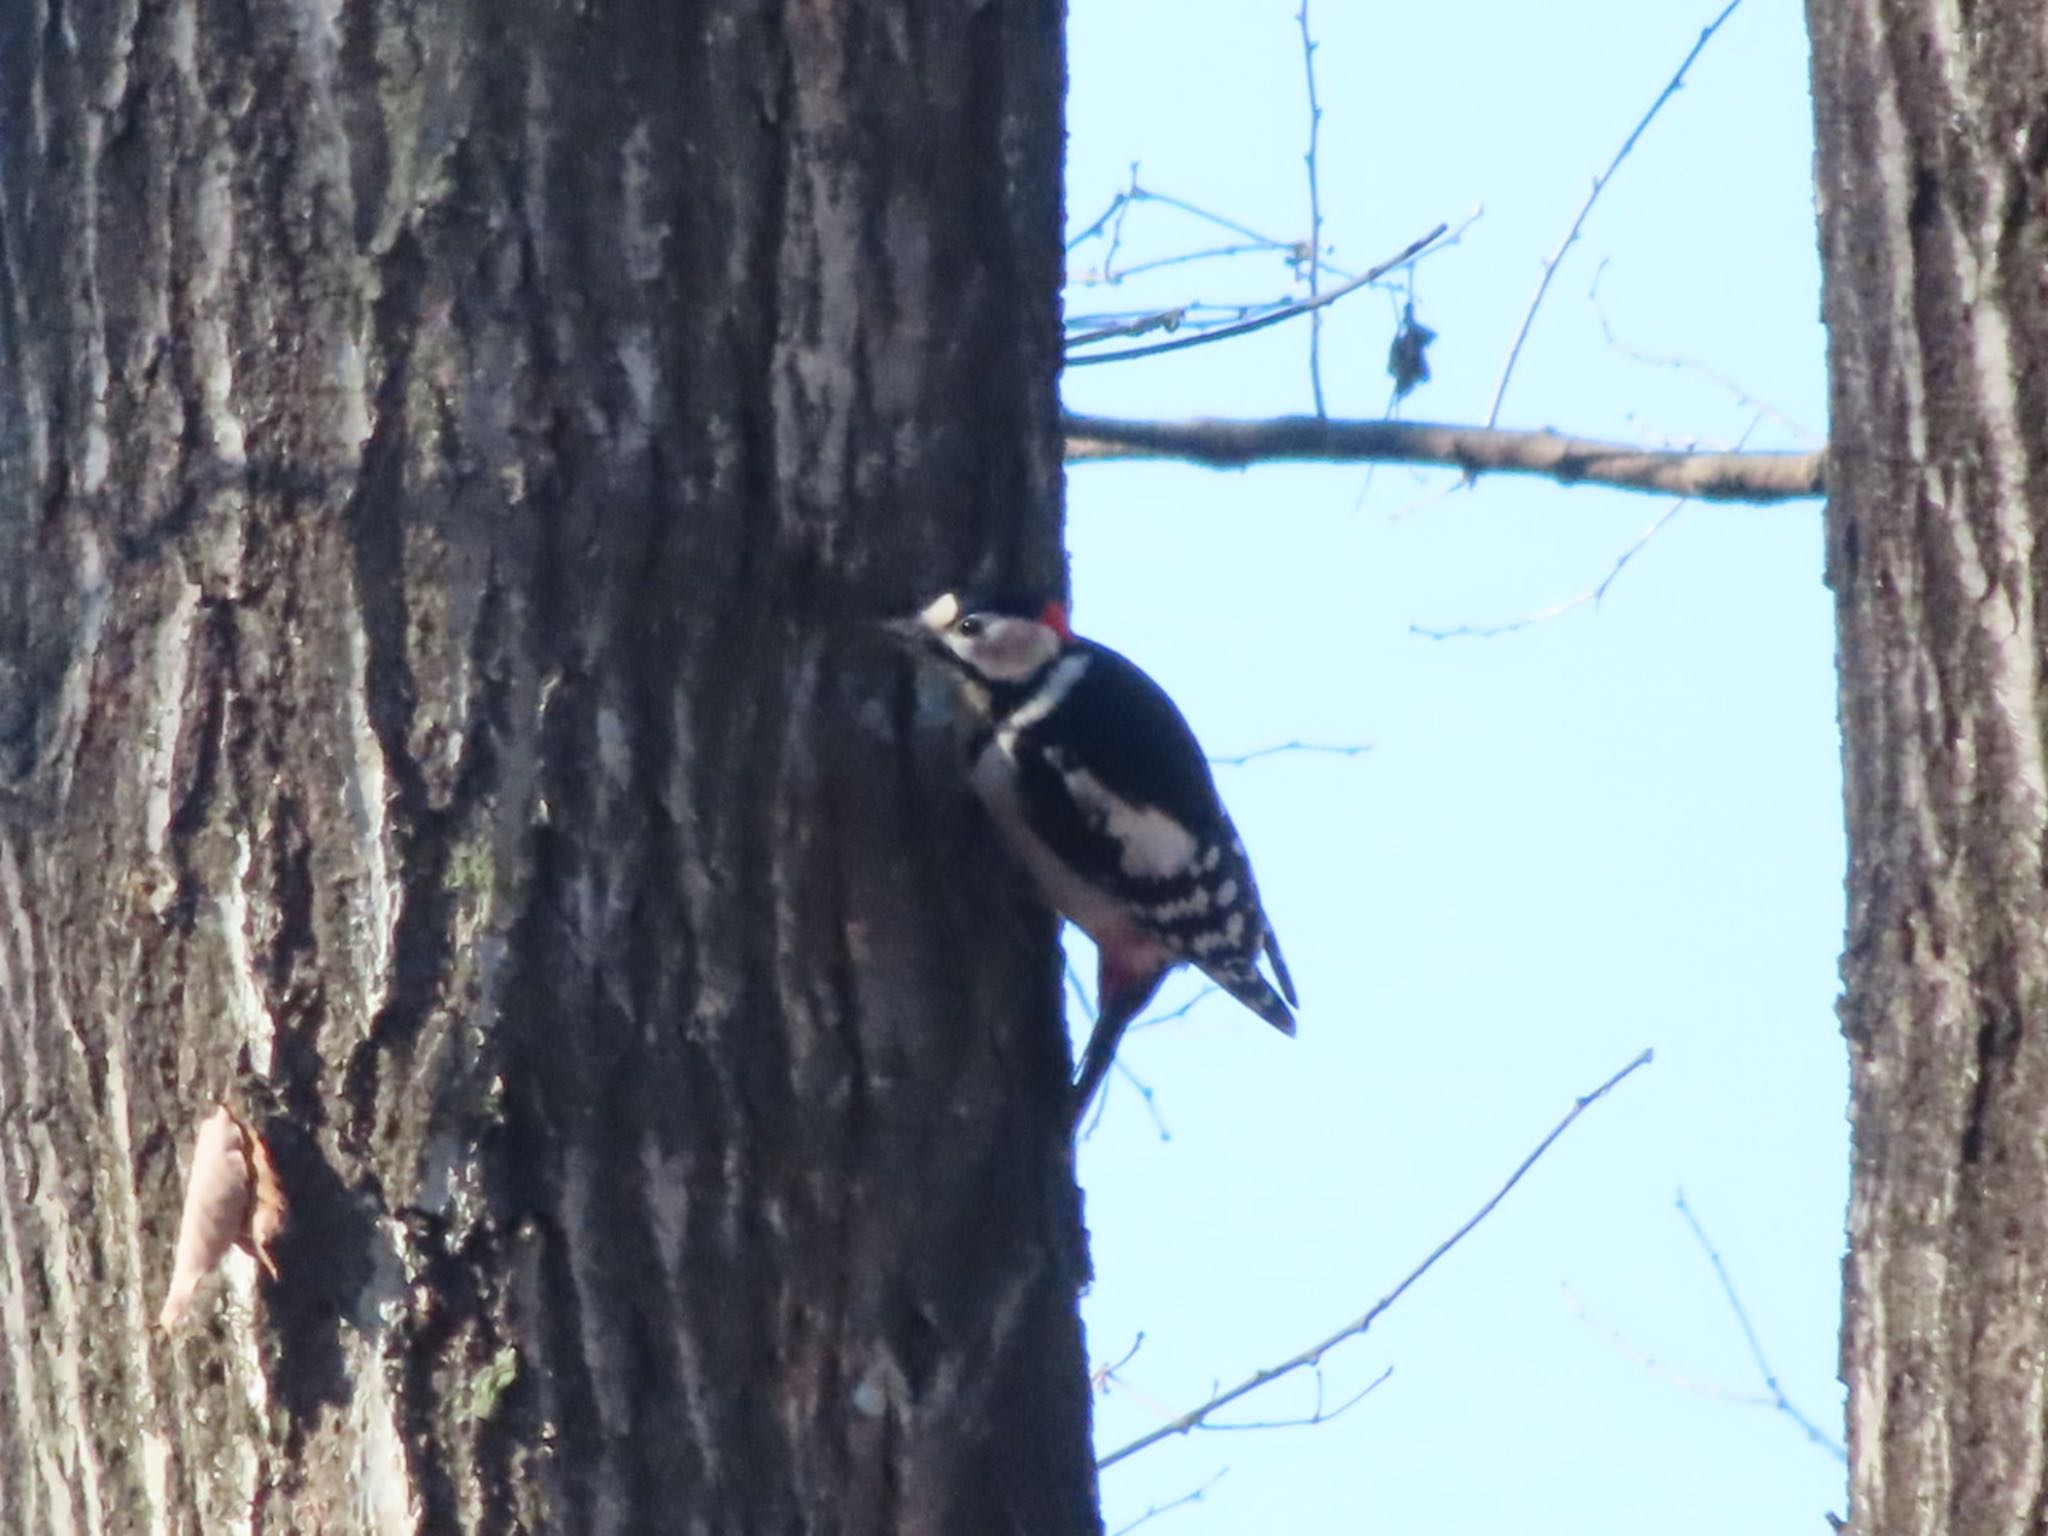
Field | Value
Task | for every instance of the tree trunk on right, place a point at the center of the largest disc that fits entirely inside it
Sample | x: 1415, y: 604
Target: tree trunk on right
x: 1932, y: 123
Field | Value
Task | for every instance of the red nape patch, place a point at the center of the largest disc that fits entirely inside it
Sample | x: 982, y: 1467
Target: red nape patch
x: 1054, y: 618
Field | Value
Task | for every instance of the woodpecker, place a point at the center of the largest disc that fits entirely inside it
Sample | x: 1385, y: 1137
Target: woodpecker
x: 1100, y: 787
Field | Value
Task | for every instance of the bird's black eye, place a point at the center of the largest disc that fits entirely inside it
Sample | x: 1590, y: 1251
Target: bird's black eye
x: 970, y: 626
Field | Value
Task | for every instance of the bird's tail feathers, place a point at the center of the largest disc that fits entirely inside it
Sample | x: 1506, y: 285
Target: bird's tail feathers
x: 1280, y: 969
x: 1253, y: 990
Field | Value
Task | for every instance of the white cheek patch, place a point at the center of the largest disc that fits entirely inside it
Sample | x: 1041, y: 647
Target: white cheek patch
x: 1150, y: 844
x: 1009, y: 650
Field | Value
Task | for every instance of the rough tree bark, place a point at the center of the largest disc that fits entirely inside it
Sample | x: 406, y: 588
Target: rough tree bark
x: 446, y: 456
x: 1933, y: 137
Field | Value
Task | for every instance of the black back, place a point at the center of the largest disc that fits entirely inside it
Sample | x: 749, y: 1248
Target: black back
x: 1122, y: 726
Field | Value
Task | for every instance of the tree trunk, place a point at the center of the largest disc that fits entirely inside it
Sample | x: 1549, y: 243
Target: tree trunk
x: 1934, y: 234
x: 448, y: 455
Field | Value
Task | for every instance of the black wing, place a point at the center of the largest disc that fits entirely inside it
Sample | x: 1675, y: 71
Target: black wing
x: 1131, y: 736
x: 1120, y: 727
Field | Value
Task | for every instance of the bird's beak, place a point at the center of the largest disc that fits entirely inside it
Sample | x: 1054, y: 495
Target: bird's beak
x: 905, y: 631
x: 924, y: 628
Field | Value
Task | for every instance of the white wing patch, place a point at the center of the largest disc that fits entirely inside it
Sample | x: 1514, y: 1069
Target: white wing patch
x: 1151, y: 845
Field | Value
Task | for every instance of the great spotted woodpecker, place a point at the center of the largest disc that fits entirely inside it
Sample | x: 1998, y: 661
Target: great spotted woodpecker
x: 1099, y: 785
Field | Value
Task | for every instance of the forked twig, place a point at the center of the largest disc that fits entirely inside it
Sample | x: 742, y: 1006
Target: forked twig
x: 1593, y: 596
x: 1154, y: 1511
x: 1271, y: 317
x: 1777, y: 1399
x: 1763, y: 408
x: 1196, y: 1418
x: 1319, y: 1415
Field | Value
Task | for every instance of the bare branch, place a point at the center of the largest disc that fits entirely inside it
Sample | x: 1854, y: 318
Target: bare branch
x: 1100, y: 324
x: 1592, y: 196
x: 1315, y: 213
x: 1778, y: 1399
x: 1308, y: 1359
x: 1224, y: 444
x: 1272, y: 317
x: 1151, y: 320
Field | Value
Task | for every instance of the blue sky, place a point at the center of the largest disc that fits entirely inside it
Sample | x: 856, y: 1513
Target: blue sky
x: 1617, y: 828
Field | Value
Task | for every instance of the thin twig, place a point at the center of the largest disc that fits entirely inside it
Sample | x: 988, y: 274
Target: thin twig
x: 1635, y: 1355
x: 1167, y: 200
x: 1714, y: 376
x: 1206, y: 311
x: 1115, y: 206
x: 1751, y: 477
x: 1101, y: 324
x: 1197, y: 317
x: 1155, y: 1510
x: 1593, y: 596
x: 1315, y: 213
x: 1151, y: 320
x: 1263, y: 241
x: 1194, y: 1418
x: 1778, y: 1400
x: 1333, y: 749
x: 1153, y: 1020
x: 1079, y: 988
x: 1185, y: 258
x: 1259, y: 323
x: 1116, y: 226
x: 1571, y: 235
x: 1144, y: 1092
x: 1105, y: 1374
x: 1321, y: 1415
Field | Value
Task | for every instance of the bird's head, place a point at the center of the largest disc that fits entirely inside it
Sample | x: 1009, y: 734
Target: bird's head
x: 1001, y: 638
